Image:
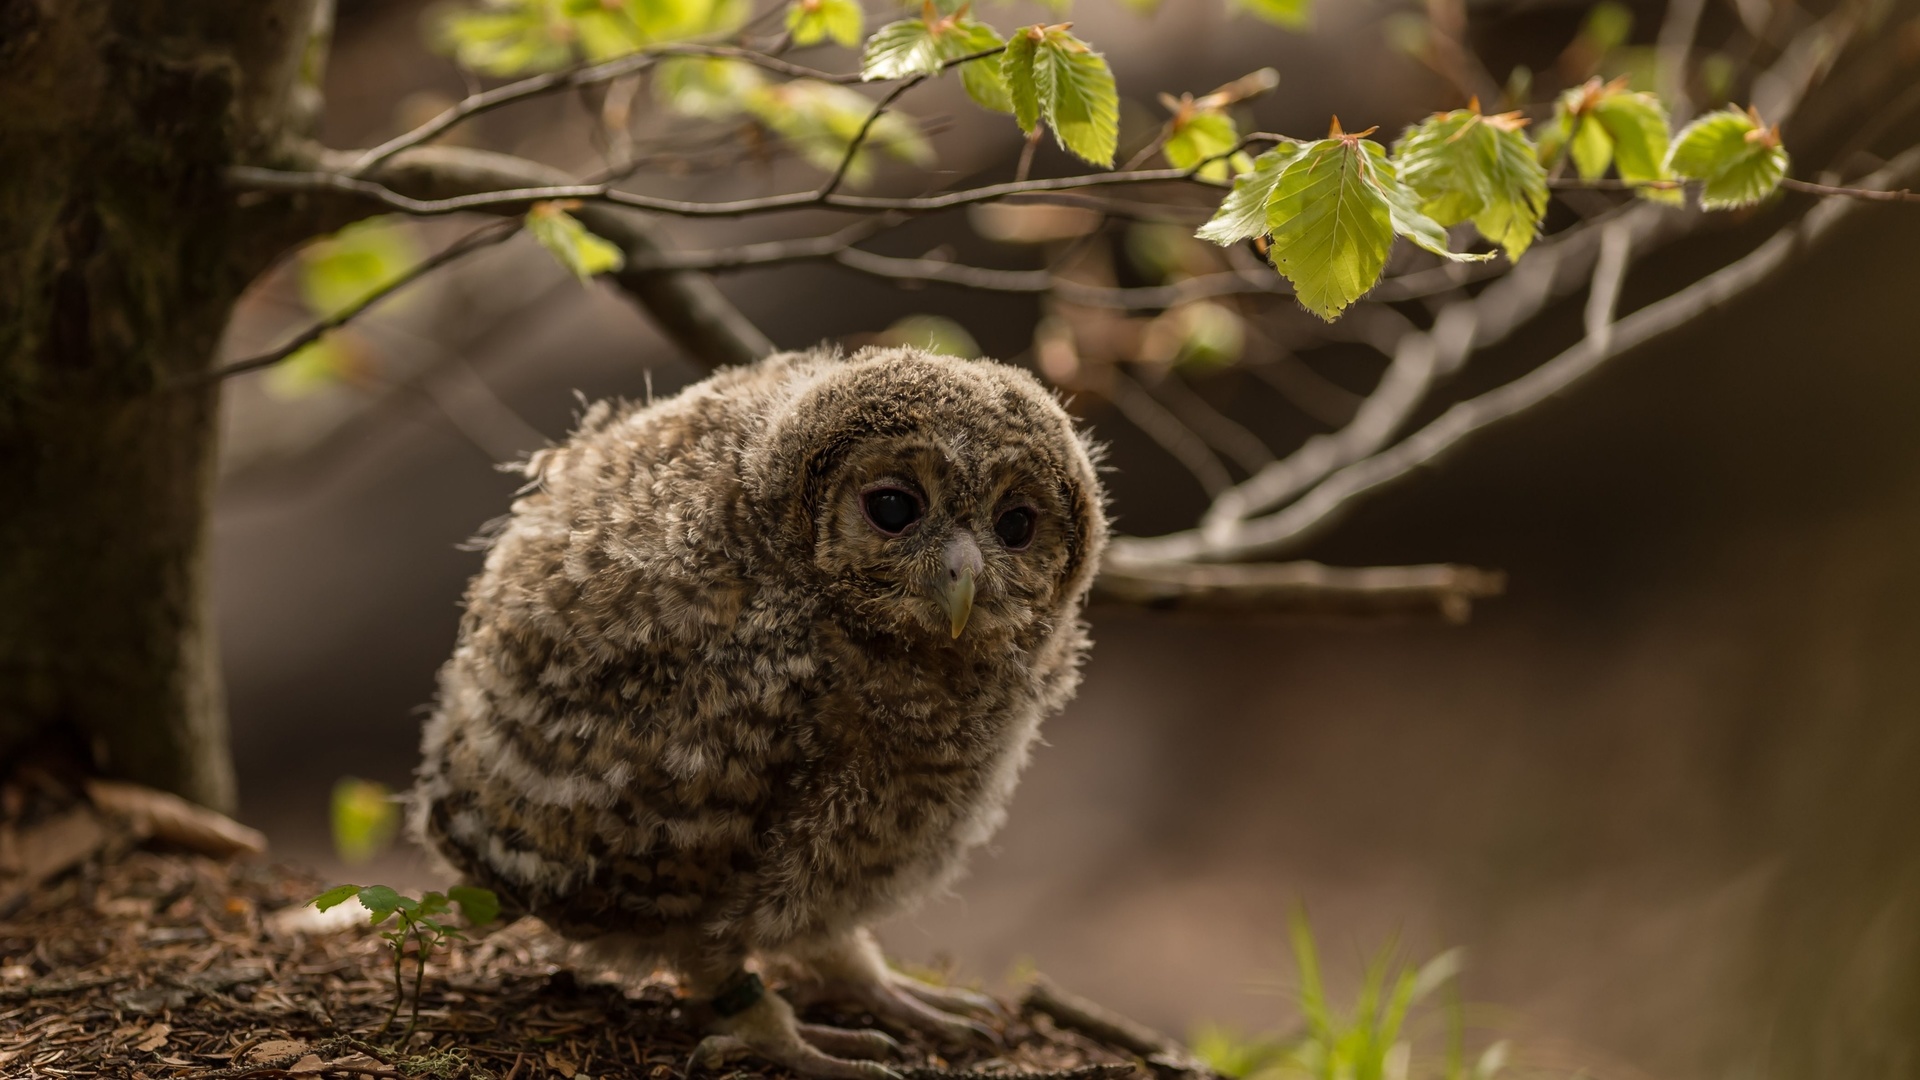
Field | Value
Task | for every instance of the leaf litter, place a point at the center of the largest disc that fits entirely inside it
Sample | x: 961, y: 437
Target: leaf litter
x: 155, y: 964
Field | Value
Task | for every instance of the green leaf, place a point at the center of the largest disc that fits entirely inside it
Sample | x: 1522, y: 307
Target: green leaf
x: 812, y: 21
x: 1331, y: 225
x: 1404, y: 208
x: 1466, y: 166
x: 1290, y: 14
x: 339, y: 357
x: 342, y: 270
x: 510, y: 37
x: 820, y: 120
x: 1603, y: 124
x: 602, y: 33
x: 1201, y: 336
x: 918, y: 47
x: 1207, y: 135
x: 982, y: 78
x: 432, y: 903
x: 365, y: 820
x: 1591, y: 148
x: 577, y: 249
x: 900, y: 50
x: 1738, y: 160
x: 478, y: 906
x: 1637, y: 125
x: 334, y: 897
x: 934, y: 333
x: 382, y: 901
x: 1053, y: 75
x: 507, y: 40
x: 1243, y: 213
x: 712, y: 88
x: 1332, y: 216
x: 1607, y: 27
x: 1016, y: 71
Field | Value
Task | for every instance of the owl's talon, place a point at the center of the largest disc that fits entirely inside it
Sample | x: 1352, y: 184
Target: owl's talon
x: 953, y: 999
x: 715, y: 1051
x: 767, y: 1029
x: 864, y: 1043
x: 893, y: 1001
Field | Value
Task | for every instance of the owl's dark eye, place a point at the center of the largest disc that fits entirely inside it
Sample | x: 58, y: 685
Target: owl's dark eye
x: 1015, y: 527
x: 891, y: 510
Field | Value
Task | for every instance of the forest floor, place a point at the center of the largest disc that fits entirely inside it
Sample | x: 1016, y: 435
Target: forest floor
x: 144, y: 964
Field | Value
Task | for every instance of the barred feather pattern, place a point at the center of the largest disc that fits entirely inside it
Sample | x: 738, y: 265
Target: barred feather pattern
x: 700, y: 705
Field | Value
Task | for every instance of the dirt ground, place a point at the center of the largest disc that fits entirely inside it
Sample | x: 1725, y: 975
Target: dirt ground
x: 148, y: 964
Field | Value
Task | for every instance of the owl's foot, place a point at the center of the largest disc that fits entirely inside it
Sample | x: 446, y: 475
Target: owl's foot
x: 768, y: 1030
x: 907, y: 1002
x: 852, y: 970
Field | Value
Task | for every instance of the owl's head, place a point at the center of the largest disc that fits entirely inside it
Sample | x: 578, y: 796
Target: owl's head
x: 941, y: 496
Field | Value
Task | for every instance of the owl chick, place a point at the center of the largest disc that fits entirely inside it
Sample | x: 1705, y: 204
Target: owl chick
x: 753, y: 666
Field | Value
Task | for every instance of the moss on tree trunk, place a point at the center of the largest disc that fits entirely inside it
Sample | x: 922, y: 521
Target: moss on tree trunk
x: 124, y: 253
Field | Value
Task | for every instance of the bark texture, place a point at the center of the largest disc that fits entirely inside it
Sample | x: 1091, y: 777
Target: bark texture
x: 124, y: 252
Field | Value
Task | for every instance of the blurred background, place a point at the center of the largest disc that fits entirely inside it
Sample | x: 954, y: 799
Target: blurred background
x: 1666, y: 792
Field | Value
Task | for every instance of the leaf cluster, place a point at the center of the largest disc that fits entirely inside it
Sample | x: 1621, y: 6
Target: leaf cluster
x: 1329, y: 211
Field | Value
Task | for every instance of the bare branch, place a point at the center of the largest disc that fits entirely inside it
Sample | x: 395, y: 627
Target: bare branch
x: 1807, y: 187
x: 483, y: 237
x: 1306, y: 389
x: 1264, y: 537
x: 514, y: 199
x: 1220, y: 431
x: 1128, y: 298
x: 1673, y: 53
x: 1420, y: 358
x: 768, y: 252
x: 1863, y: 194
x: 1304, y: 588
x: 1163, y: 427
x: 588, y: 75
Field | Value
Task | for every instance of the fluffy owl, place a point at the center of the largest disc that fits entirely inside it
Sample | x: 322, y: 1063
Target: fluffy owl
x: 751, y: 667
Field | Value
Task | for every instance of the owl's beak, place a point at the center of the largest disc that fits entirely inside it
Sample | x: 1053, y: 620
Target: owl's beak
x: 955, y: 589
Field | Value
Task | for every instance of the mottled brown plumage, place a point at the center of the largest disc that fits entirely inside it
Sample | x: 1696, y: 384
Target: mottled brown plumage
x: 706, y: 707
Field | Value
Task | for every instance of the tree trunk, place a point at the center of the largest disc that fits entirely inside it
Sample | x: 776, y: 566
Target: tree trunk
x: 123, y: 255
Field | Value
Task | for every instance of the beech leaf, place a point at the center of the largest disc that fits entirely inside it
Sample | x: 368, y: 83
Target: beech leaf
x: 1243, y: 213
x: 1468, y: 167
x: 1054, y: 76
x: 577, y: 249
x: 813, y: 21
x: 1737, y: 160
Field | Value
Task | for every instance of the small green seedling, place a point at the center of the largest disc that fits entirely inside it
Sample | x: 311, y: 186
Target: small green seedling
x: 1367, y: 1042
x: 418, y: 919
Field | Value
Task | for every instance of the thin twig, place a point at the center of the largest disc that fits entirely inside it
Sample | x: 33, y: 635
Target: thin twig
x: 1673, y: 52
x: 1220, y: 431
x: 853, y: 145
x: 1021, y: 171
x: 1865, y: 194
x: 1163, y: 427
x: 485, y: 236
